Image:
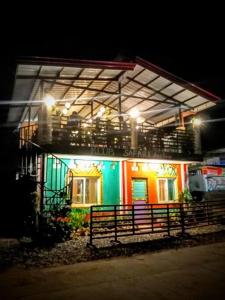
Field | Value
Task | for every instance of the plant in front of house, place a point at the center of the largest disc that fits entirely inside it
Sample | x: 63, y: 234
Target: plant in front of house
x: 79, y: 220
x: 55, y: 225
x: 185, y: 196
x: 193, y: 210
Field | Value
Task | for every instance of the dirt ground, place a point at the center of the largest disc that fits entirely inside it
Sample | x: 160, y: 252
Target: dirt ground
x: 28, y: 255
x: 185, y: 273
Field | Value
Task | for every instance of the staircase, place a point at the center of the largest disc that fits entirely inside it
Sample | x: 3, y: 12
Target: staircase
x: 51, y: 174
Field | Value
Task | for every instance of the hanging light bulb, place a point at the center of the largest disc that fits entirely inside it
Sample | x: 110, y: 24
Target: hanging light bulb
x: 134, y: 167
x: 49, y: 100
x: 145, y: 167
x: 101, y: 111
x: 67, y: 105
x: 72, y: 164
x: 134, y: 113
x: 64, y: 111
x: 196, y: 122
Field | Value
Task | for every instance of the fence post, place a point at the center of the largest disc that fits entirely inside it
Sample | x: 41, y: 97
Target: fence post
x: 207, y: 211
x: 168, y: 219
x: 133, y: 225
x: 115, y: 222
x: 182, y: 218
x: 91, y: 225
x: 152, y: 218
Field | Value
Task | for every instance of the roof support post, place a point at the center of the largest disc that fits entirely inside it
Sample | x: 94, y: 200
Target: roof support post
x: 29, y: 113
x: 134, y: 133
x: 44, y: 121
x: 120, y: 105
x: 197, y: 140
x: 92, y: 109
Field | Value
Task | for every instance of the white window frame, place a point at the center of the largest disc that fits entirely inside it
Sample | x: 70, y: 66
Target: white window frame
x: 166, y: 191
x: 84, y: 191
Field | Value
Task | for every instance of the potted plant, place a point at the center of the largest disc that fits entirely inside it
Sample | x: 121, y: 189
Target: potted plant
x: 185, y: 196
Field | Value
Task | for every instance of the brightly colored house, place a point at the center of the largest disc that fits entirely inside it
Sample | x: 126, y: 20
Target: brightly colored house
x: 101, y: 132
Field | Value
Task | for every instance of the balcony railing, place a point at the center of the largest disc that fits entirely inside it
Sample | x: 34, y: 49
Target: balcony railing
x: 113, y: 135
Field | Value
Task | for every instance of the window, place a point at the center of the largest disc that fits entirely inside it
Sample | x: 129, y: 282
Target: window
x: 86, y: 190
x: 139, y: 189
x: 166, y: 189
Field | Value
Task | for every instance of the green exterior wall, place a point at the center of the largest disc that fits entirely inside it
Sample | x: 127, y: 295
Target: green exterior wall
x: 55, y: 178
x: 111, y: 183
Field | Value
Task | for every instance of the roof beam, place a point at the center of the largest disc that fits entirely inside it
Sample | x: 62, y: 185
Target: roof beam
x: 101, y: 71
x: 76, y: 63
x: 26, y: 108
x: 116, y: 93
x: 125, y: 84
x: 42, y: 77
x: 68, y: 88
x: 103, y: 91
x: 107, y: 84
x: 192, y: 87
x: 82, y: 87
x: 148, y: 98
x: 162, y: 94
x: 111, y: 107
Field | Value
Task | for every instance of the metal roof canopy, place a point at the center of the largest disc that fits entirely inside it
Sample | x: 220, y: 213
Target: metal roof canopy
x: 156, y: 93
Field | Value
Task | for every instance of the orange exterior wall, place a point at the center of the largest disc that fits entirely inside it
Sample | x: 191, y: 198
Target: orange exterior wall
x: 152, y: 181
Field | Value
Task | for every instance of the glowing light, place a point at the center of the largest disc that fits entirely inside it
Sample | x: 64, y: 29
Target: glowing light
x: 101, y: 111
x: 145, y: 167
x: 154, y: 166
x: 64, y: 111
x: 101, y: 165
x: 67, y: 105
x: 134, y: 113
x: 72, y: 165
x: 134, y: 167
x: 113, y: 166
x: 49, y: 100
x: 140, y: 120
x: 196, y: 122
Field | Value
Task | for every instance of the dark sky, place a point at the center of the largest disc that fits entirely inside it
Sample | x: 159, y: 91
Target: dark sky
x: 187, y: 41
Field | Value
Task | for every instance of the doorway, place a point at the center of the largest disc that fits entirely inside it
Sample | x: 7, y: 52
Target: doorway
x: 139, y: 190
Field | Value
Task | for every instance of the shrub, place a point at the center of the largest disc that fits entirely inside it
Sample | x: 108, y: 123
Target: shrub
x: 54, y: 225
x: 78, y: 218
x: 185, y: 196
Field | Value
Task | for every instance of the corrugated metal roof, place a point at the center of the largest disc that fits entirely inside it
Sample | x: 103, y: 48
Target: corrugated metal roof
x: 157, y: 94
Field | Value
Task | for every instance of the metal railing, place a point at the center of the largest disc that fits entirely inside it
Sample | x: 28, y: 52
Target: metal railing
x: 163, y: 141
x: 117, y: 221
x: 50, y: 173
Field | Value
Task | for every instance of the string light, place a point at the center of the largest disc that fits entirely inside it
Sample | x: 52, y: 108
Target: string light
x: 134, y: 113
x: 64, y: 111
x: 49, y: 100
x: 196, y: 122
x: 67, y: 105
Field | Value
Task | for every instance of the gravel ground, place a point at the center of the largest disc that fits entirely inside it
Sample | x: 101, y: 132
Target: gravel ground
x: 27, y: 255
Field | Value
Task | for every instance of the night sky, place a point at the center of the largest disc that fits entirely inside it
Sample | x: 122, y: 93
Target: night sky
x: 187, y: 41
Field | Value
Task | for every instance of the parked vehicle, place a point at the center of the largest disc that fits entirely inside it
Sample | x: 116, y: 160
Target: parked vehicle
x: 207, y: 183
